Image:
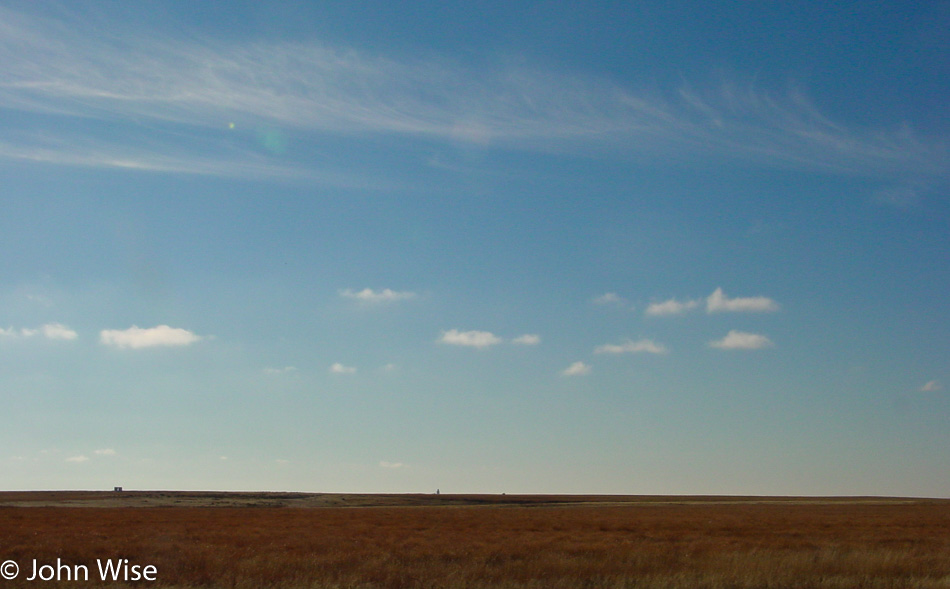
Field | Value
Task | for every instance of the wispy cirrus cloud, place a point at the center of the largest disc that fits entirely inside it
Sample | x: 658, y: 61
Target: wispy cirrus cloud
x: 632, y: 347
x: 165, y: 89
x: 609, y: 298
x: 931, y: 386
x: 528, y: 339
x: 137, y: 337
x: 70, y: 149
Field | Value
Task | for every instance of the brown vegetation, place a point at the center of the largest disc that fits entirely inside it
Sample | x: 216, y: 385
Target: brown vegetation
x: 513, y: 543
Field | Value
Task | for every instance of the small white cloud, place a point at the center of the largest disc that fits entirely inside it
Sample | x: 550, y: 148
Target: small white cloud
x: 77, y: 459
x: 933, y: 385
x: 282, y: 461
x: 631, y: 347
x: 474, y: 339
x: 284, y: 370
x: 368, y: 295
x: 337, y: 368
x: 49, y: 331
x: 576, y: 369
x: 718, y: 302
x: 384, y: 464
x: 528, y: 339
x: 58, y: 331
x: 106, y: 452
x: 741, y: 340
x: 390, y: 367
x: 608, y: 298
x: 222, y: 457
x: 671, y: 307
x: 137, y: 337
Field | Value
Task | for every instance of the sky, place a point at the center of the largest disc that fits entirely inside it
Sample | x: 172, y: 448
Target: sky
x: 636, y: 248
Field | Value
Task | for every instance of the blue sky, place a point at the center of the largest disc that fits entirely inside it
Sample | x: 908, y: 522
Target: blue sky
x: 695, y: 247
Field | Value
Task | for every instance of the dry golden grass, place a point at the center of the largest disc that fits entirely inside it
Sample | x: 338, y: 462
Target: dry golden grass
x: 592, y: 543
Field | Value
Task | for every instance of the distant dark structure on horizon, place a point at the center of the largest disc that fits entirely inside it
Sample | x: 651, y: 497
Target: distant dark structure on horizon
x: 117, y: 489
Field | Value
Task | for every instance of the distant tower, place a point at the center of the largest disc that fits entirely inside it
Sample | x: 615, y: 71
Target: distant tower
x: 436, y: 491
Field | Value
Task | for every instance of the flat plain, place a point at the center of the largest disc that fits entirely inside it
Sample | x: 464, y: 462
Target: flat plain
x: 348, y: 541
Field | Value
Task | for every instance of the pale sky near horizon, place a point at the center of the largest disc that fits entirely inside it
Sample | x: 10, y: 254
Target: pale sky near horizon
x: 653, y: 247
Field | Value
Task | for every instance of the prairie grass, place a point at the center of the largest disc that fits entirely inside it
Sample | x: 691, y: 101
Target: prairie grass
x: 673, y: 546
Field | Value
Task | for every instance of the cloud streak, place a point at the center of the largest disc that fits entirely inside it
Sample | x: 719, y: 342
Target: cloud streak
x: 58, y: 331
x: 576, y: 369
x: 338, y: 368
x: 632, y: 347
x: 165, y: 88
x: 370, y: 296
x: 718, y: 302
x: 608, y: 298
x: 472, y: 339
x: 741, y: 340
x: 136, y: 337
x: 53, y: 331
x: 671, y: 307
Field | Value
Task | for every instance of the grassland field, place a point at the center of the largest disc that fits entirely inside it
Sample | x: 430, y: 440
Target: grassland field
x: 350, y: 541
